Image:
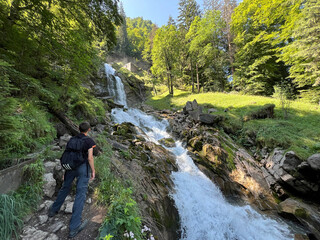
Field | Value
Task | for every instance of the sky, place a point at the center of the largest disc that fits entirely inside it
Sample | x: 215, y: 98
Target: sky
x: 158, y: 11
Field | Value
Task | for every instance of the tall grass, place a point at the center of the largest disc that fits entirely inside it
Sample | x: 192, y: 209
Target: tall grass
x: 300, y: 132
x: 15, y: 206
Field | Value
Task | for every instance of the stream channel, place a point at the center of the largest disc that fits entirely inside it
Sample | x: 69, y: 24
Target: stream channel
x: 204, y: 212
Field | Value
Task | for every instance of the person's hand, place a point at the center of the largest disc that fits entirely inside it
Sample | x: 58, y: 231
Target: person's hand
x: 93, y: 174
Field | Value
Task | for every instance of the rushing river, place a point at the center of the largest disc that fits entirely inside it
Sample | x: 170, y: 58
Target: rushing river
x: 204, y: 212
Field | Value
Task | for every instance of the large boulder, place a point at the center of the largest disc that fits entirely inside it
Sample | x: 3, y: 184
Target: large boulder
x: 307, y: 214
x: 49, y: 185
x: 64, y: 140
x: 210, y: 119
x: 266, y: 111
x: 314, y: 162
x: 290, y: 161
x: 285, y: 172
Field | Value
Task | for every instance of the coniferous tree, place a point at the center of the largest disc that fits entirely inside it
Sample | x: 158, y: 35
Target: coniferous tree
x: 171, y: 21
x: 122, y: 37
x: 303, y: 53
x: 188, y: 10
x: 226, y: 7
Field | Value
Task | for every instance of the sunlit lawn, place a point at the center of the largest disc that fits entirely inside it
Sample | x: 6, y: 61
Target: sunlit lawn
x: 300, y: 132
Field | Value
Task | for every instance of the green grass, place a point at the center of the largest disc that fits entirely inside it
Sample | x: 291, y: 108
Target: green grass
x: 16, y: 205
x: 300, y: 132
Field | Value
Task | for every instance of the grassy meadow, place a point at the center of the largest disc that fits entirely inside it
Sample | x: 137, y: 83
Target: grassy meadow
x: 300, y: 132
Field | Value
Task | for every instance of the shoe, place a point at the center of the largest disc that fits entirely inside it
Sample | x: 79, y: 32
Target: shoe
x: 73, y: 233
x: 51, y: 213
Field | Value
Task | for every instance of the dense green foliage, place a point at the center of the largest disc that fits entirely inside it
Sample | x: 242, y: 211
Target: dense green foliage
x: 206, y: 49
x: 14, y: 207
x: 48, y: 50
x: 258, y: 46
x: 277, y: 43
x: 165, y: 53
x: 134, y: 37
x: 123, y: 213
x: 300, y: 132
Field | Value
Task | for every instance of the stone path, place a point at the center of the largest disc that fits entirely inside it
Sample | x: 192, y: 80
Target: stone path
x: 39, y: 226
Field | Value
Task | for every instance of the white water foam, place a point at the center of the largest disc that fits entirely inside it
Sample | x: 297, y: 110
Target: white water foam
x: 204, y: 212
x: 115, y: 86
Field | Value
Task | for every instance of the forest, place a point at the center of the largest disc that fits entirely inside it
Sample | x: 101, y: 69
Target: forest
x: 254, y: 48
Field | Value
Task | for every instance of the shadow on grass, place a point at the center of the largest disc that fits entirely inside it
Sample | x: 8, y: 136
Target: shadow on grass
x: 166, y: 102
x: 300, y: 132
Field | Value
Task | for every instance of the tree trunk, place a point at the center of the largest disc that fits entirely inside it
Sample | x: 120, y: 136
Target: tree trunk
x: 71, y: 126
x: 192, y: 77
x: 198, y: 84
x: 171, y: 85
x: 168, y: 77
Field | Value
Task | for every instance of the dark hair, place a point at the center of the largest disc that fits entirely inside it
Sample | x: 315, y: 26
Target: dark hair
x: 84, y: 127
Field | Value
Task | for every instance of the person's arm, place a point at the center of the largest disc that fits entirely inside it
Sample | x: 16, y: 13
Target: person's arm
x: 91, y: 163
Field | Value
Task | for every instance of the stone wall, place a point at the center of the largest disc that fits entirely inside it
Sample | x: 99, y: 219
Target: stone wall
x: 11, y: 178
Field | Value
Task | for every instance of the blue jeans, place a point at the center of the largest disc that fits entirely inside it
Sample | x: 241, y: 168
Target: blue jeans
x: 82, y: 186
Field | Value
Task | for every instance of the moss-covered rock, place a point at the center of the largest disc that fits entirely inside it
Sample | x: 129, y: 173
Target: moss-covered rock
x: 168, y: 142
x: 267, y: 111
x: 196, y: 143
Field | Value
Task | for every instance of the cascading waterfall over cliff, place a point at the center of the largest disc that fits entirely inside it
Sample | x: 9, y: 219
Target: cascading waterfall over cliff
x: 204, y: 212
x: 115, y: 86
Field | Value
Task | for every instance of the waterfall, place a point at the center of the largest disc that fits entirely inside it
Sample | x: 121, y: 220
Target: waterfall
x: 204, y: 212
x: 115, y: 86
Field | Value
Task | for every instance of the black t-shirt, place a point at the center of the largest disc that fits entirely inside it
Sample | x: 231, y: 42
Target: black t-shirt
x: 88, y: 143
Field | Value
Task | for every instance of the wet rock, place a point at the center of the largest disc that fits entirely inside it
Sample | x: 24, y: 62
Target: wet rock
x: 168, y: 142
x: 150, y: 176
x: 49, y: 184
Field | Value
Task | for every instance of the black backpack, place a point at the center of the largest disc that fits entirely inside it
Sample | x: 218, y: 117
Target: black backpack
x: 73, y: 156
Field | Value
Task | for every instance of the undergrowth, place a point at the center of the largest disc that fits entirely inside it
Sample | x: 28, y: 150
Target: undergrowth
x: 123, y: 213
x: 15, y: 206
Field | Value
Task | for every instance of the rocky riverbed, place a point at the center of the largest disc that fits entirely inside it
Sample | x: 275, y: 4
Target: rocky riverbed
x: 280, y: 183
